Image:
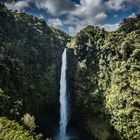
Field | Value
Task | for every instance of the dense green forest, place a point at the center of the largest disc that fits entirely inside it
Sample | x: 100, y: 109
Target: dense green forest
x: 104, y: 77
x: 30, y: 61
x: 106, y: 87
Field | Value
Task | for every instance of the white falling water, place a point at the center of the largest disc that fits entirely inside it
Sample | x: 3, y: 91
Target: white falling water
x: 63, y: 99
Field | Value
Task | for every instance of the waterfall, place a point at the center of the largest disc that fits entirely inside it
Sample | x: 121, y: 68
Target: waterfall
x: 64, y: 109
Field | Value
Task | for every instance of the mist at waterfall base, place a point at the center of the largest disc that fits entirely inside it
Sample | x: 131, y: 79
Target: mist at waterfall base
x: 55, y: 121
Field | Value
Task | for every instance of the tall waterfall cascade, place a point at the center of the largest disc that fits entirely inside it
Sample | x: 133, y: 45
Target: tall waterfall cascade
x: 64, y: 107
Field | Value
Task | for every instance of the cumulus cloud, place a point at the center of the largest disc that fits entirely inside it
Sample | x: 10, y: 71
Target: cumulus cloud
x: 132, y: 15
x: 77, y: 15
x: 74, y: 30
x: 132, y: 3
x: 110, y: 27
x: 55, y: 22
x: 71, y: 30
x: 19, y: 5
x: 115, y: 4
x: 122, y: 4
x: 86, y: 6
x: 56, y: 7
x: 89, y: 12
x: 89, y: 9
x: 101, y: 16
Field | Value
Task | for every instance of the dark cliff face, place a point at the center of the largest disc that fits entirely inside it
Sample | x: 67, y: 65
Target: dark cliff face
x: 105, y: 83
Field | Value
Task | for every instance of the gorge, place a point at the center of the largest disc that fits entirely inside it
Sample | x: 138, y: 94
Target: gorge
x: 56, y: 86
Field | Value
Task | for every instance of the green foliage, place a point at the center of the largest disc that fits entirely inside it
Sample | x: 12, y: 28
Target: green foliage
x: 130, y: 24
x: 2, y: 95
x: 3, y: 100
x: 123, y: 101
x: 106, y: 93
x: 30, y: 59
x: 29, y: 121
x: 106, y: 84
x: 11, y: 130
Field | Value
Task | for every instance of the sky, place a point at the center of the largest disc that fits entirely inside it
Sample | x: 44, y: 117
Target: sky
x: 73, y: 15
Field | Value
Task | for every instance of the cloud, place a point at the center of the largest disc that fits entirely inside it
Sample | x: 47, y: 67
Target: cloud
x: 132, y: 3
x: 78, y: 15
x: 89, y: 12
x: 94, y: 12
x: 115, y: 4
x: 132, y: 15
x: 71, y: 30
x: 89, y: 8
x: 122, y: 4
x: 101, y: 16
x: 41, y: 16
x: 110, y: 27
x: 56, y: 7
x: 74, y: 30
x: 55, y: 22
x: 19, y: 5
